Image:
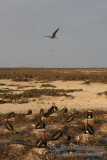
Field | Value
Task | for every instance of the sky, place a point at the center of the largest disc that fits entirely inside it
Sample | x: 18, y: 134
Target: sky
x: 82, y: 37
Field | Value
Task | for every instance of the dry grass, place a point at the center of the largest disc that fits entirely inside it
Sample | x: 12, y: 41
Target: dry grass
x: 51, y: 74
x: 48, y: 85
x: 2, y: 84
x: 36, y: 93
x: 102, y: 93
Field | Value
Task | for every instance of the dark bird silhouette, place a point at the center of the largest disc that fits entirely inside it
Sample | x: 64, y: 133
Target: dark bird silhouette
x: 8, y: 125
x: 29, y: 112
x: 64, y: 110
x: 57, y: 134
x: 53, y: 35
x: 11, y: 115
x: 88, y: 128
x: 89, y: 114
x: 68, y: 139
x: 51, y: 110
x: 40, y: 124
x: 71, y: 117
x: 42, y: 141
x: 41, y: 112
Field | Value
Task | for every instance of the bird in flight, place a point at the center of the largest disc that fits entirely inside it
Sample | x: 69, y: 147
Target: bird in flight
x: 53, y: 35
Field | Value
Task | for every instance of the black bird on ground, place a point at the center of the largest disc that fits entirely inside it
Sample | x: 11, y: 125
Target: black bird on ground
x: 51, y: 110
x: 57, y: 134
x: 41, y: 112
x: 29, y: 112
x: 64, y: 110
x: 88, y: 128
x: 53, y: 35
x: 8, y: 125
x: 40, y: 124
x: 71, y: 117
x: 11, y: 115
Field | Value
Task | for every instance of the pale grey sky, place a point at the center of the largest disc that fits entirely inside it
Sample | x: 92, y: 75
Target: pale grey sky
x: 82, y: 38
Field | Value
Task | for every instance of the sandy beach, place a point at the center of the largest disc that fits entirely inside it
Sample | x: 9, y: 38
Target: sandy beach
x: 82, y: 100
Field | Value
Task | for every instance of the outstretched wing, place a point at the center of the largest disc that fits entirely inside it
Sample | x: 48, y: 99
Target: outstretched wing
x: 46, y: 36
x: 55, y: 33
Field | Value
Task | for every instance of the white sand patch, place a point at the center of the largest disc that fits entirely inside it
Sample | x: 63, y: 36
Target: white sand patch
x: 86, y: 99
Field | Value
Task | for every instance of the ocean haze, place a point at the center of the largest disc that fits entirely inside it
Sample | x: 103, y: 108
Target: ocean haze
x: 82, y: 38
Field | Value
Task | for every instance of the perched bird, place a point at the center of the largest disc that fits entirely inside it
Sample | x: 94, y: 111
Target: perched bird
x: 11, y: 115
x: 89, y: 114
x: 41, y: 112
x: 64, y: 110
x: 71, y: 117
x: 8, y: 125
x: 56, y: 135
x: 88, y: 128
x: 53, y: 35
x: 40, y: 124
x: 42, y: 141
x: 29, y: 112
x: 51, y: 110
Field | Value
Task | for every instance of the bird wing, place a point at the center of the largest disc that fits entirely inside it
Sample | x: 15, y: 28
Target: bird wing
x: 10, y: 115
x: 56, y: 108
x: 90, y: 129
x: 9, y: 126
x: 46, y: 36
x: 55, y: 33
x: 70, y: 118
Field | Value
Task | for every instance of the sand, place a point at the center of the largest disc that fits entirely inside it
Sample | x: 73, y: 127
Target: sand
x: 83, y: 100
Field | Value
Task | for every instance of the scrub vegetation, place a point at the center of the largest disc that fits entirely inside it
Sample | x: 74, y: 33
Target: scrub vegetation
x: 52, y: 74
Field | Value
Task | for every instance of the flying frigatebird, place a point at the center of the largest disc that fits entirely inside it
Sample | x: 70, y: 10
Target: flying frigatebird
x: 53, y: 35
